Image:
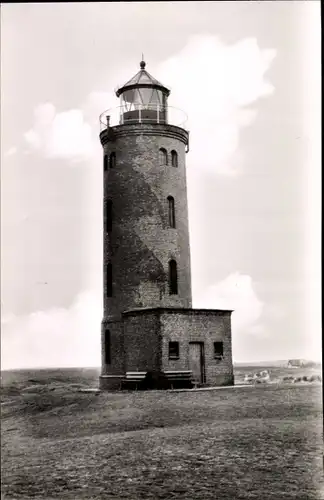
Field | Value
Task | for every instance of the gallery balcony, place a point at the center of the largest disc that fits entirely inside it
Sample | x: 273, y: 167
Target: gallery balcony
x: 148, y: 114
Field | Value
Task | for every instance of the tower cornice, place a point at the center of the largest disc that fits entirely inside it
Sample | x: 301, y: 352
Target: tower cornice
x: 147, y: 129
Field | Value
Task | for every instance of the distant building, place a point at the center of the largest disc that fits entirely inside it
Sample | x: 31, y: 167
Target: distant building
x: 148, y: 323
x: 300, y: 363
x: 294, y: 363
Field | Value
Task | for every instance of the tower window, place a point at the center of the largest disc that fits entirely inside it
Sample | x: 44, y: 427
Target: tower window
x: 163, y: 157
x: 173, y: 350
x: 109, y: 280
x: 107, y: 347
x: 105, y: 162
x: 173, y: 278
x: 171, y: 211
x: 174, y: 158
x: 108, y: 215
x: 112, y: 160
x: 218, y: 350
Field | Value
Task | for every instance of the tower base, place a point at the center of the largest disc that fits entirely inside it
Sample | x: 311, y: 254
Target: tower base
x: 200, y: 339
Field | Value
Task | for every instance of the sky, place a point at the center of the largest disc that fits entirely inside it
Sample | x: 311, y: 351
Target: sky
x: 247, y: 74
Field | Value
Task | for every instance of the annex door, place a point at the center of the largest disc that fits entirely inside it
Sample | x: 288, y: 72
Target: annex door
x: 196, y: 361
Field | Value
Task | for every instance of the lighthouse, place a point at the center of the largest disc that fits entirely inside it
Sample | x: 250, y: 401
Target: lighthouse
x: 149, y: 326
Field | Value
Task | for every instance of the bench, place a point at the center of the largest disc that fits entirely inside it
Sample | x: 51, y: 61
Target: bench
x: 133, y: 380
x: 179, y: 378
x: 165, y: 380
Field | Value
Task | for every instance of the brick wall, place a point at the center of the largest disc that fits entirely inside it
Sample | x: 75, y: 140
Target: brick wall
x: 141, y: 242
x: 206, y: 326
x: 142, y: 341
x: 117, y: 365
x: 147, y: 333
x: 139, y: 247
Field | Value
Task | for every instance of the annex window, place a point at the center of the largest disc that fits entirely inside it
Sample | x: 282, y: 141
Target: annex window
x: 163, y: 156
x: 218, y: 350
x: 173, y: 350
x: 109, y: 280
x: 107, y: 347
x: 105, y: 162
x: 173, y: 278
x: 171, y: 211
x: 112, y: 160
x: 174, y: 158
x: 108, y: 215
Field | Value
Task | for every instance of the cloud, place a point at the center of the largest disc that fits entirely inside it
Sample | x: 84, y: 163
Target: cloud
x: 61, y: 337
x: 215, y: 83
x: 97, y: 103
x: 235, y: 293
x: 71, y: 134
x: 57, y: 337
x: 12, y: 151
x: 61, y: 134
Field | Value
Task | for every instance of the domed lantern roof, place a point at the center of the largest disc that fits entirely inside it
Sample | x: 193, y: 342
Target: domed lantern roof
x: 143, y: 90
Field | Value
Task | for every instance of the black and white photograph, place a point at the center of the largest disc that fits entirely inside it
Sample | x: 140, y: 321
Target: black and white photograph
x: 161, y: 315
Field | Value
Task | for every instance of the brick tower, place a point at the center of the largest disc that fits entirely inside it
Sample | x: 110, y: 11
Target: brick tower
x: 148, y: 321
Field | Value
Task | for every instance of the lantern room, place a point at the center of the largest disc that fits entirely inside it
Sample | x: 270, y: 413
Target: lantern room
x: 143, y: 99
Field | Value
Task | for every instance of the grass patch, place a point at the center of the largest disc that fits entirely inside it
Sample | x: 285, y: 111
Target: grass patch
x: 239, y: 443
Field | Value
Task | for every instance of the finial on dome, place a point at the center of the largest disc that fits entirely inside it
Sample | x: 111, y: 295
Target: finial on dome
x: 142, y: 63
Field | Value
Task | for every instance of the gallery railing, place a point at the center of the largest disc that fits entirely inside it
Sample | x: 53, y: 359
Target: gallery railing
x: 143, y: 114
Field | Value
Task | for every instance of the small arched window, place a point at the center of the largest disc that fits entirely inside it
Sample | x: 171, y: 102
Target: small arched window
x: 109, y: 280
x: 173, y: 278
x: 108, y: 215
x: 174, y: 158
x: 105, y: 162
x: 171, y: 211
x: 107, y: 347
x: 112, y: 160
x: 163, y: 156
